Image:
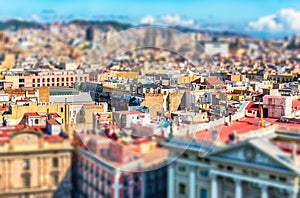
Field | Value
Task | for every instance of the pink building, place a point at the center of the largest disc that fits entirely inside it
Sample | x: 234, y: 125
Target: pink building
x: 278, y: 105
x: 106, y: 168
x: 45, y: 80
x: 98, y: 175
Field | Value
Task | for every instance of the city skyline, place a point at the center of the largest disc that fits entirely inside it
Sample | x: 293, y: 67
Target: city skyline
x: 256, y: 18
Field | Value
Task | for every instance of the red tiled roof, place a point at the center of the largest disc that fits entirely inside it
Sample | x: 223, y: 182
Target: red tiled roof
x: 53, y: 138
x: 243, y: 126
x: 53, y: 122
x: 132, y: 112
x: 250, y: 106
x: 141, y: 141
x: 213, y: 81
x: 21, y: 101
x: 32, y: 114
x: 296, y: 103
x: 4, y: 140
x: 55, y: 115
x: 7, y: 129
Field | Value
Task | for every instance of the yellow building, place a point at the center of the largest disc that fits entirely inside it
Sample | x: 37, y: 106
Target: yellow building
x: 186, y: 79
x: 9, y: 61
x: 18, y: 111
x: 32, y: 165
x: 127, y: 74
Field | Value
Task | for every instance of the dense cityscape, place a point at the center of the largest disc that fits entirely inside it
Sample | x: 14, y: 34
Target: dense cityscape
x: 112, y: 110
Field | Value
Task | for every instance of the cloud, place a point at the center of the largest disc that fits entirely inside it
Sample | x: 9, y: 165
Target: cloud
x: 147, y: 20
x: 35, y: 17
x: 169, y: 19
x: 176, y: 19
x: 285, y: 20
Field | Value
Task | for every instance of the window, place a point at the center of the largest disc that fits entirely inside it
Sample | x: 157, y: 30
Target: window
x: 55, y: 178
x: 97, y: 172
x: 48, y: 79
x: 125, y: 192
x: 61, y: 109
x: 33, y: 80
x: 272, y: 177
x: 53, y: 79
x: 282, y: 179
x: 36, y: 121
x: 67, y: 79
x: 26, y: 180
x: 185, y: 155
x: 26, y: 164
x: 230, y: 168
x: 86, y: 166
x: 246, y: 172
x: 125, y: 181
x: 43, y: 80
x: 57, y: 79
x: 136, y: 177
x: 182, y: 189
x: 181, y: 168
x: 254, y: 173
x: 55, y: 162
x: 92, y: 169
x: 38, y: 80
x: 203, y: 193
x: 204, y: 173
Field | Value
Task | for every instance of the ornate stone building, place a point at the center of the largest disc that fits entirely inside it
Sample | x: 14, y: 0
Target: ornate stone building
x: 33, y: 164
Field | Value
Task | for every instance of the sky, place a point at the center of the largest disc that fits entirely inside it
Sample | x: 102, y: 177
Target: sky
x: 269, y: 16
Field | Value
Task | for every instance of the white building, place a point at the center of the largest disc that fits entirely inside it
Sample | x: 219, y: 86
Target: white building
x: 124, y: 118
x: 216, y: 47
x: 250, y: 168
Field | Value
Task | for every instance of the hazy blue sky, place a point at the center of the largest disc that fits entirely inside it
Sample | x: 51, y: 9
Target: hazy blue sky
x: 192, y: 12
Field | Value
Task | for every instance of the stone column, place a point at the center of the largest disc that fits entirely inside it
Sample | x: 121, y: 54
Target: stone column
x: 192, y: 182
x: 9, y: 173
x: 171, y: 186
x: 264, y: 191
x: 293, y: 193
x: 39, y: 171
x: 142, y: 180
x: 116, y: 183
x: 214, y: 186
x: 238, y: 188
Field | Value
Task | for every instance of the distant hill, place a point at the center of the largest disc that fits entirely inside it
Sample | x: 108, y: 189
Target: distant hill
x: 210, y: 32
x: 18, y: 24
x: 103, y: 25
x: 15, y: 24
